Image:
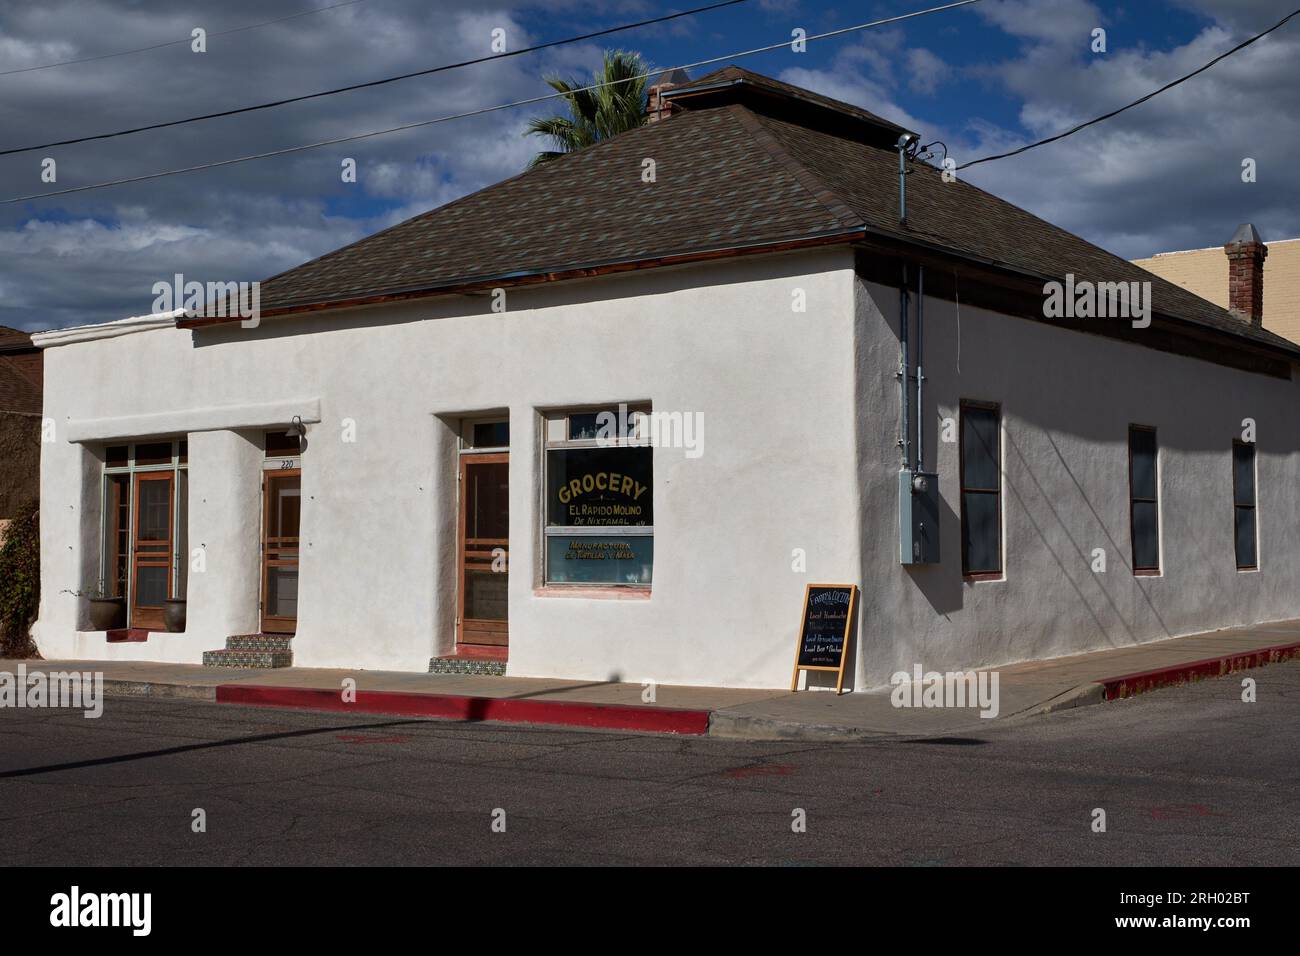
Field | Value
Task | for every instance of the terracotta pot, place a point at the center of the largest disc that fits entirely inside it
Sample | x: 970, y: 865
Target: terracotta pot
x: 174, y: 615
x: 107, y: 613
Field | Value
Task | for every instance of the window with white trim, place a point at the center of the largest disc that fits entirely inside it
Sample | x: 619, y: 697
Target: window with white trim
x: 1245, y: 525
x: 1144, y: 499
x: 599, y: 487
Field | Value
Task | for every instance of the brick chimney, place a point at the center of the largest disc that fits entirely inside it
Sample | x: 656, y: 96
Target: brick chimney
x: 657, y: 109
x: 1246, y: 253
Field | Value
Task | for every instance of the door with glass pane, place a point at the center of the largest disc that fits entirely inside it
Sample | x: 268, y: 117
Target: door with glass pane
x: 483, y: 549
x: 282, y: 502
x: 152, y: 557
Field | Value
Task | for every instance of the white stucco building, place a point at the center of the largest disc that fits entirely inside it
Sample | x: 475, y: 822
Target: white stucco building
x: 450, y: 500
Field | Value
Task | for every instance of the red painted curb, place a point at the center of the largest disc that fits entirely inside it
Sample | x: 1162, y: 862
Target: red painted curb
x: 514, y: 710
x: 1130, y: 684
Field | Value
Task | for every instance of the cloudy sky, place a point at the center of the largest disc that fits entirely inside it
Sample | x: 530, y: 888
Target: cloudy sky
x: 1000, y: 73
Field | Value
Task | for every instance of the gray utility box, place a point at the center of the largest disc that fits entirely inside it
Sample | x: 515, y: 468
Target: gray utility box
x: 918, y: 517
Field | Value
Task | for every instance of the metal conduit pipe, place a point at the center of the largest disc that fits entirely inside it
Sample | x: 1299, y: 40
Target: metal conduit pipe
x: 920, y: 377
x: 904, y: 366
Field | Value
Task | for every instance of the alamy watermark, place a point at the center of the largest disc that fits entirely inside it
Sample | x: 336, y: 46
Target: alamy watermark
x: 654, y: 429
x: 75, y: 908
x: 221, y: 300
x: 83, y: 690
x: 1098, y: 300
x: 923, y: 688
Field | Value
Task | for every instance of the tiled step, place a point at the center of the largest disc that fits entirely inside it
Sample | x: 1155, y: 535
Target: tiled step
x: 259, y: 642
x: 227, y: 657
x: 252, y: 650
x: 467, y: 666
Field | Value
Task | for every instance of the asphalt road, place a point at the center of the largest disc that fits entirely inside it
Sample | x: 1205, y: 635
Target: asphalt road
x: 1187, y: 776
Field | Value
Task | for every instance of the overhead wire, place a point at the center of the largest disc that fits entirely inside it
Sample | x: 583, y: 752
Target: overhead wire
x: 1137, y: 102
x: 481, y: 111
x: 271, y: 104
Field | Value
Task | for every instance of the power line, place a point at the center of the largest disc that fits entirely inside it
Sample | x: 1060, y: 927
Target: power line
x: 371, y: 83
x: 1137, y: 102
x: 479, y: 112
x: 159, y: 46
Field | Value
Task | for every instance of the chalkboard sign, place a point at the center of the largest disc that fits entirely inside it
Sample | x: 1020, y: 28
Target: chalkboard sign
x: 824, y: 630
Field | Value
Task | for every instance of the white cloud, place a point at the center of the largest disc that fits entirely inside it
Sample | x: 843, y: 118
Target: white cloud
x: 1164, y: 175
x: 925, y: 71
x: 1060, y: 23
x: 866, y: 74
x: 93, y: 256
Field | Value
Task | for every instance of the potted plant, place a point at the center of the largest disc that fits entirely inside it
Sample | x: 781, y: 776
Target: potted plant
x: 106, y: 611
x: 174, y: 615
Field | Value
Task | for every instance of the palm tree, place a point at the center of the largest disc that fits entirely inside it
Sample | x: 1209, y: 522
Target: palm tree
x: 617, y: 105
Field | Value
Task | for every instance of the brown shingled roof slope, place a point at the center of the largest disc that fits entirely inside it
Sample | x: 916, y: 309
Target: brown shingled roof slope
x: 21, y: 359
x: 757, y: 166
x: 17, y: 392
x: 735, y: 75
x: 970, y: 221
x: 713, y: 190
x: 12, y: 338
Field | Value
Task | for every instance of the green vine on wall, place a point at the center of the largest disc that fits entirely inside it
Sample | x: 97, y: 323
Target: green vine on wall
x: 20, y: 582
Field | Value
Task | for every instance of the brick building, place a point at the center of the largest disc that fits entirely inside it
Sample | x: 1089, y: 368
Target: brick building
x: 1206, y: 272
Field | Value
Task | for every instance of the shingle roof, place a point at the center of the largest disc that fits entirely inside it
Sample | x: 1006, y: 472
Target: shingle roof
x: 749, y: 161
x: 972, y: 222
x: 733, y: 83
x: 12, y: 338
x: 712, y: 190
x: 17, y: 392
x: 21, y: 372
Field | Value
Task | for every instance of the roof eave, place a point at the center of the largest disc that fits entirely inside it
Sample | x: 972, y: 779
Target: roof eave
x: 1190, y: 327
x: 543, y: 275
x: 844, y: 118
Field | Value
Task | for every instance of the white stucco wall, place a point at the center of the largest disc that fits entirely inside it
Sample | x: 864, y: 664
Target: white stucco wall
x: 1067, y: 400
x: 377, y: 590
x: 801, y: 416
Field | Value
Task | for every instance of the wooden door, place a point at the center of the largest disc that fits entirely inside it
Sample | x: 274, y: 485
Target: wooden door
x: 117, y: 557
x: 152, y: 549
x: 483, y: 549
x: 281, y: 517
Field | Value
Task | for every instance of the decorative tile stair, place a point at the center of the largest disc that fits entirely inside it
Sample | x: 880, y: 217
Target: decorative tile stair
x: 472, y: 661
x: 252, y: 651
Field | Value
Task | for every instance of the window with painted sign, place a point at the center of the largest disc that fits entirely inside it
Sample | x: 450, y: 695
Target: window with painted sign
x: 599, y: 498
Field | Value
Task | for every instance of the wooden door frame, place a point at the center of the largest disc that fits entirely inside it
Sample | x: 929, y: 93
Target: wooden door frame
x: 276, y: 624
x: 148, y: 616
x: 478, y: 633
x: 114, y: 490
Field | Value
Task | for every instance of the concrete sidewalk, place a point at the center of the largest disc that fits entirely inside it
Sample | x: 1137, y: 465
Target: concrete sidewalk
x: 1026, y: 690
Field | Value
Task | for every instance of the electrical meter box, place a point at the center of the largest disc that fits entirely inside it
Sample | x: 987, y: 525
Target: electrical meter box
x: 918, y: 517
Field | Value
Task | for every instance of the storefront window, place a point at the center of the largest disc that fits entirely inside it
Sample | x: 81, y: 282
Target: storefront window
x: 599, y: 499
